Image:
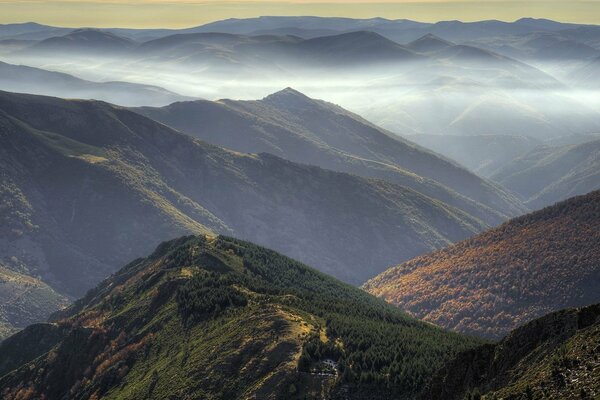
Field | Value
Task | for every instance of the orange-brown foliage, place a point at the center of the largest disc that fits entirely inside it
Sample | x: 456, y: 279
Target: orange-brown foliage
x: 507, y: 276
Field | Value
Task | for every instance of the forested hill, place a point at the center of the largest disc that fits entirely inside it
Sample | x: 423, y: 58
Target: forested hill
x: 215, y: 317
x: 500, y: 279
x: 553, y: 357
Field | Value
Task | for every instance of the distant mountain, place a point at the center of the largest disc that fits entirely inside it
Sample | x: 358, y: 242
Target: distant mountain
x: 428, y: 43
x: 553, y: 357
x: 23, y: 79
x: 293, y: 126
x: 361, y: 47
x: 500, y: 279
x: 85, y: 41
x: 88, y: 186
x: 546, y: 175
x: 228, y: 319
x: 542, y: 47
x: 482, y: 154
x: 31, y: 31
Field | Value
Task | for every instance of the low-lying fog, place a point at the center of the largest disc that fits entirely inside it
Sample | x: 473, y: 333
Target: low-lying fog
x: 443, y: 96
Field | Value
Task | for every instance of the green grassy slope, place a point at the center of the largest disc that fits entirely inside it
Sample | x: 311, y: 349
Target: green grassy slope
x: 215, y: 317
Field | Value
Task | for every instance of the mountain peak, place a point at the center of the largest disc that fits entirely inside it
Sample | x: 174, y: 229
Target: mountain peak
x: 429, y: 42
x: 289, y: 97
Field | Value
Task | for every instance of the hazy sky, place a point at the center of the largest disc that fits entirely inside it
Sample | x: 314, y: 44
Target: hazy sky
x: 184, y: 13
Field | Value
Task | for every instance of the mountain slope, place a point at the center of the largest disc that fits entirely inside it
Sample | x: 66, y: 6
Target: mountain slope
x: 495, y: 281
x: 88, y: 185
x: 23, y: 79
x: 214, y: 317
x: 482, y: 154
x: 293, y: 126
x: 546, y: 175
x: 553, y: 357
x: 24, y: 300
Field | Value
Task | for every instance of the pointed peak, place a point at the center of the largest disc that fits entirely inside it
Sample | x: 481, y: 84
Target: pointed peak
x: 287, y: 93
x: 429, y: 42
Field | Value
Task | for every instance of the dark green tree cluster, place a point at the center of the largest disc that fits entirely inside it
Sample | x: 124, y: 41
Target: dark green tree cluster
x: 379, y: 342
x: 207, y: 296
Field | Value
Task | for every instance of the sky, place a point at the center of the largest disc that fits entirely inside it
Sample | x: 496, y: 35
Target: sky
x: 187, y: 13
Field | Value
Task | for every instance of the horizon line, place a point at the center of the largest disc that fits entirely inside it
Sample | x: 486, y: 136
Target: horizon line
x: 296, y: 16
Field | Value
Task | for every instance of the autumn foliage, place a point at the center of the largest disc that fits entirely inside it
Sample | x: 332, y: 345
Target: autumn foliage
x: 507, y: 276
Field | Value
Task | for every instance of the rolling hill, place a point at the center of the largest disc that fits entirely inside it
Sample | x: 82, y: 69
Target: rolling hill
x: 215, y: 317
x: 549, y: 174
x: 295, y: 127
x: 553, y: 357
x: 85, y: 41
x: 85, y: 183
x: 24, y: 79
x: 500, y: 279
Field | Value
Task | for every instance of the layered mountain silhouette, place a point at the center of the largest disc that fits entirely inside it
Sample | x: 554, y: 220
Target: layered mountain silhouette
x: 85, y: 41
x: 429, y: 43
x: 454, y: 69
x: 293, y: 126
x: 493, y: 282
x: 24, y: 79
x: 89, y: 185
x: 483, y: 154
x: 549, y: 174
x: 220, y: 318
x: 552, y: 357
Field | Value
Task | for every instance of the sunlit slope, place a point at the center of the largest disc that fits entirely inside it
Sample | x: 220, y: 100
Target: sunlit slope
x: 207, y: 317
x: 296, y: 127
x: 24, y: 300
x: 507, y: 276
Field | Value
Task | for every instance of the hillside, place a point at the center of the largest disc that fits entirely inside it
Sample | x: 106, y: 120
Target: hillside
x: 482, y: 154
x: 500, y: 279
x: 24, y: 300
x: 553, y: 357
x: 298, y: 128
x: 23, y: 79
x: 215, y: 317
x: 549, y: 174
x: 88, y: 186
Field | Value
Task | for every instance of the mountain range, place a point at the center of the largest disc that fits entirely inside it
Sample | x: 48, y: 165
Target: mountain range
x: 24, y: 79
x: 295, y: 127
x: 88, y: 186
x: 216, y: 317
x: 487, y: 77
x: 492, y: 283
